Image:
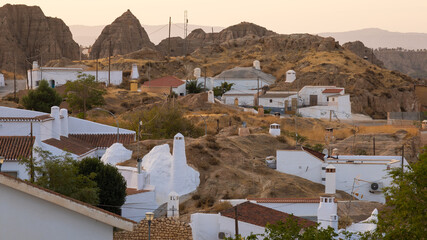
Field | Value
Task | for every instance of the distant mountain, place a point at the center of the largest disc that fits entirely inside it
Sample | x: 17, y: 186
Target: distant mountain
x: 378, y: 38
x: 86, y: 35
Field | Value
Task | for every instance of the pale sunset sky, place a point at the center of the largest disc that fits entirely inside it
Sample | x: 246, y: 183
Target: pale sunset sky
x: 281, y: 16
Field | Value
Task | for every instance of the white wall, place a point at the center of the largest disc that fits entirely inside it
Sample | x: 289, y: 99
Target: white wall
x: 306, y: 91
x: 180, y: 90
x: 204, y: 226
x: 136, y: 205
x: 239, y: 84
x: 227, y: 224
x: 15, y: 167
x: 297, y: 209
x: 2, y: 84
x: 243, y: 100
x: 29, y: 217
x: 299, y: 163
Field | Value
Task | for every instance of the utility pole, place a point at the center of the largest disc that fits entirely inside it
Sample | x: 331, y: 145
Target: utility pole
x: 14, y: 79
x: 96, y: 67
x: 205, y: 78
x: 236, y: 221
x: 213, y: 40
x: 185, y: 32
x: 257, y: 92
x: 373, y: 142
x: 403, y: 153
x: 169, y: 40
x: 109, y: 63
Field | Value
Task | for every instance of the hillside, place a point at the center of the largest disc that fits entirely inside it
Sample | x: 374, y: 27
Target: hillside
x: 28, y: 35
x: 410, y: 62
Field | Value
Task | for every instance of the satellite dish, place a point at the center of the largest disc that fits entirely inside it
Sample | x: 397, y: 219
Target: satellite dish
x: 374, y: 186
x: 325, y: 151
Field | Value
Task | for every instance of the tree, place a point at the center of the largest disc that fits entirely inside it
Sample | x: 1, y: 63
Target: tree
x: 193, y: 87
x: 41, y: 99
x: 220, y: 90
x: 112, y: 185
x: 60, y: 174
x: 405, y: 214
x: 84, y: 93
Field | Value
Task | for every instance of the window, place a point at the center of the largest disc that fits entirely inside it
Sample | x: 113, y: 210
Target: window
x: 11, y: 173
x: 323, y: 179
x: 271, y: 100
x: 37, y: 83
x: 181, y: 94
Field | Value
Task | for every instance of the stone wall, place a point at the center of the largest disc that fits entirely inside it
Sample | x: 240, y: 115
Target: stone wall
x: 161, y: 229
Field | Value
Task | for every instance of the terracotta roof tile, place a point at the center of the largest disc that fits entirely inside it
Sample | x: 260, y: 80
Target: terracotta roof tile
x: 41, y: 118
x: 168, y: 81
x: 12, y: 148
x: 70, y: 145
x: 102, y: 140
x: 333, y: 90
x: 259, y: 215
x: 132, y: 191
x: 316, y: 154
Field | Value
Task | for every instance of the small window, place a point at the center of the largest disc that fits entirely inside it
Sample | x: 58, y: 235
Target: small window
x: 11, y: 173
x: 37, y: 83
x: 181, y: 94
x: 323, y: 179
x: 271, y: 100
x: 323, y: 168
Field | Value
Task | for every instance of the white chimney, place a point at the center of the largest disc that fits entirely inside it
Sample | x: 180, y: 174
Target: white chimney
x: 197, y: 72
x: 290, y: 76
x: 64, y: 122
x: 56, y: 124
x: 327, y: 212
x: 274, y: 129
x: 257, y: 65
x: 211, y: 97
x: 173, y: 205
x: 134, y: 74
x: 330, y: 182
x: 35, y: 65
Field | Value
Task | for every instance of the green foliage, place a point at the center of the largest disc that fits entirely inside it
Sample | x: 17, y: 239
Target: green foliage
x: 405, y: 215
x: 317, y: 147
x: 290, y: 230
x: 220, y: 90
x: 193, y: 87
x: 112, y: 185
x: 84, y: 93
x: 162, y: 122
x: 60, y: 174
x: 41, y: 99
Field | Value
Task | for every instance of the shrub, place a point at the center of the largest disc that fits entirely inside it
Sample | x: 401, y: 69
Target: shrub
x: 41, y: 99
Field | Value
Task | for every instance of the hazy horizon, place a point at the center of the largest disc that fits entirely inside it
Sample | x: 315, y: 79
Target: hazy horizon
x: 289, y: 16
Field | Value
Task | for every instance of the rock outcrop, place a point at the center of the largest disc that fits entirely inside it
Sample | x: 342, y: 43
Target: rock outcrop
x: 28, y: 35
x: 125, y: 35
x: 360, y: 50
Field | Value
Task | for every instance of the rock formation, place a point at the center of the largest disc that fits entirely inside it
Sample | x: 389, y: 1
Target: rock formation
x: 360, y: 50
x: 28, y: 35
x: 125, y: 34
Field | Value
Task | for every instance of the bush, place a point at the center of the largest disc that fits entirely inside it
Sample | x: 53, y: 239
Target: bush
x: 41, y: 99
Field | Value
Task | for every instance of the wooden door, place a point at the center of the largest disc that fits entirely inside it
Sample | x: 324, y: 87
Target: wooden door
x: 313, y: 100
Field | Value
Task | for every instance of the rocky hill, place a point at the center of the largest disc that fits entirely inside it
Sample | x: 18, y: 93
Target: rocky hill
x: 410, y: 62
x: 28, y: 35
x: 360, y: 50
x: 125, y: 34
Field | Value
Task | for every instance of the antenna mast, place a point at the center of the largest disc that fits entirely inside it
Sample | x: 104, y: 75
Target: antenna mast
x: 185, y: 32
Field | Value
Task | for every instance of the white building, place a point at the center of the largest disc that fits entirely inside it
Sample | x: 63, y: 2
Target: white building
x: 290, y: 76
x: 252, y: 218
x: 32, y: 212
x: 278, y: 101
x: 364, y: 176
x: 57, y: 76
x: 244, y: 98
x: 324, y: 102
x: 2, y: 83
x: 243, y: 78
x: 57, y: 133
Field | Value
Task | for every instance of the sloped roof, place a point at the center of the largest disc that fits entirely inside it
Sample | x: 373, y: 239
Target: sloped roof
x: 316, y: 154
x: 12, y: 148
x: 168, y: 81
x: 333, y: 90
x: 71, y: 204
x: 259, y: 215
x: 102, y: 140
x: 245, y: 73
x: 70, y: 145
x: 286, y: 200
x: 40, y: 118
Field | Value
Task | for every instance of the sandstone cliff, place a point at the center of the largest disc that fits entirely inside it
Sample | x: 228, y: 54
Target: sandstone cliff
x: 125, y: 34
x: 28, y: 35
x: 360, y: 50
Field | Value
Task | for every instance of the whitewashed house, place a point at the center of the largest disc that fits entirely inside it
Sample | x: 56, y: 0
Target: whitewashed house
x: 252, y: 218
x: 32, y: 212
x: 57, y: 133
x: 278, y: 101
x: 243, y: 78
x: 245, y: 98
x: 324, y: 102
x: 57, y: 76
x: 362, y: 176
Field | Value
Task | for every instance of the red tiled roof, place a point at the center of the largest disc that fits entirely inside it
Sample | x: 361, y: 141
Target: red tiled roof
x: 332, y: 90
x: 286, y: 200
x: 66, y: 197
x: 70, y: 145
x: 316, y: 154
x: 259, y: 215
x: 40, y: 118
x: 168, y: 81
x: 102, y: 140
x: 12, y: 148
x: 132, y: 191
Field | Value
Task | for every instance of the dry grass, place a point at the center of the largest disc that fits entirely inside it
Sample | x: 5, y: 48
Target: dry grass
x: 412, y: 131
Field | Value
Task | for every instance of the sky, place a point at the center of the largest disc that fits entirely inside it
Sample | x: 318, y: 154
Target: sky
x: 281, y: 16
